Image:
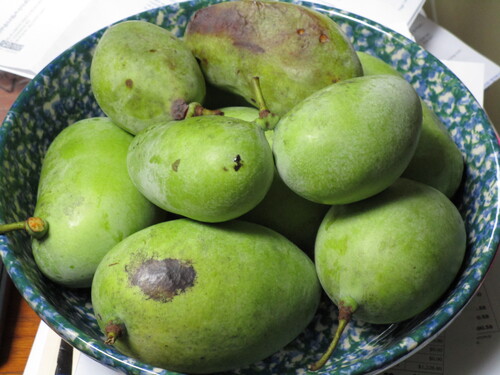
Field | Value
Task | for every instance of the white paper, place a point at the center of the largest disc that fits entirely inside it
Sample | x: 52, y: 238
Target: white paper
x: 446, y: 46
x: 43, y: 355
x: 34, y: 32
x: 397, y: 15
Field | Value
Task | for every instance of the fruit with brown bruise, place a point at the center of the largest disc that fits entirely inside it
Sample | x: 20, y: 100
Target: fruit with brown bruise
x: 292, y: 49
x: 193, y: 297
x: 141, y: 74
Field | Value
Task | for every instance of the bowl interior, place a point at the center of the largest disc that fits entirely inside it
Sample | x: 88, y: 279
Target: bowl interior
x: 61, y: 95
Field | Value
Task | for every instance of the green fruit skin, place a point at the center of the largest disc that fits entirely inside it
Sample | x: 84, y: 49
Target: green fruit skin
x: 253, y: 292
x: 141, y: 74
x: 294, y: 50
x: 88, y: 199
x: 438, y: 161
x: 350, y: 140
x: 240, y: 112
x: 394, y: 254
x: 208, y: 168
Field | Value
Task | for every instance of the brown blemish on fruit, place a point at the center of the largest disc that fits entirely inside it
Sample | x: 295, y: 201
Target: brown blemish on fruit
x: 323, y: 38
x: 300, y: 31
x: 152, y: 50
x: 178, y: 109
x: 113, y: 264
x: 163, y: 279
x: 129, y: 83
x: 175, y: 165
x: 238, y: 163
x: 225, y: 21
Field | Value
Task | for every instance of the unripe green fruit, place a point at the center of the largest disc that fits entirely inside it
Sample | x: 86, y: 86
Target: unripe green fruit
x: 88, y: 199
x: 208, y: 168
x: 437, y: 161
x: 350, y: 140
x: 200, y: 298
x: 141, y: 75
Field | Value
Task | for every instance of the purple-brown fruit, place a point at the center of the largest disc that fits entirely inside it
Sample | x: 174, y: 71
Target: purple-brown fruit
x: 294, y: 50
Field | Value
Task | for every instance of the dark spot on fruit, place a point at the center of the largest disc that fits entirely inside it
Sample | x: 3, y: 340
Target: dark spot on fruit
x: 238, y: 163
x: 152, y: 50
x: 225, y: 169
x: 300, y: 31
x: 175, y: 165
x: 129, y: 83
x: 113, y: 264
x: 323, y: 38
x: 228, y: 22
x: 163, y: 279
x: 178, y: 109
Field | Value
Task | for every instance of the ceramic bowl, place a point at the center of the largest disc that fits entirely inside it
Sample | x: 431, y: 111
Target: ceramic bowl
x: 61, y: 95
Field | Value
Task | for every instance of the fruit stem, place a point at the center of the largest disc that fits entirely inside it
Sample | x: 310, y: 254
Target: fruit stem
x: 113, y: 332
x: 35, y: 226
x: 344, y: 317
x: 267, y: 120
x: 196, y: 109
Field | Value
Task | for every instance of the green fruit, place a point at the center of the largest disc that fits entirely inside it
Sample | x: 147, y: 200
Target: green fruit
x: 88, y: 199
x: 200, y: 298
x: 437, y: 161
x: 208, y: 168
x: 294, y: 50
x: 389, y: 257
x: 141, y: 74
x: 350, y: 140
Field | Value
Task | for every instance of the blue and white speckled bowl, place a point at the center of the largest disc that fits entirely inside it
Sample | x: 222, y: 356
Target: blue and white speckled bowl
x: 61, y: 95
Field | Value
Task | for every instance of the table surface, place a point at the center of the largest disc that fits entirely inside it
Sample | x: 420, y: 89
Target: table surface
x: 21, y: 322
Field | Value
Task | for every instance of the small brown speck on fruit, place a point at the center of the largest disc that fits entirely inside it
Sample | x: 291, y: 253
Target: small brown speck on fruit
x: 129, y: 83
x: 323, y: 38
x: 300, y: 31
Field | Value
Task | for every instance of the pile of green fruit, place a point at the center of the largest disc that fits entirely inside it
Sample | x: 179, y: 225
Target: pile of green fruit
x: 240, y: 172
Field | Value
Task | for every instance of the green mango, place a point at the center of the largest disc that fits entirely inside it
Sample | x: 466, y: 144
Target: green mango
x: 438, y: 161
x: 350, y: 140
x: 208, y: 168
x: 388, y: 258
x: 141, y: 74
x: 197, y: 298
x: 88, y: 199
x: 293, y: 50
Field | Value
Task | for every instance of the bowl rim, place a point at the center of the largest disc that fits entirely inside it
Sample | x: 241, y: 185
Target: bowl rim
x: 82, y: 341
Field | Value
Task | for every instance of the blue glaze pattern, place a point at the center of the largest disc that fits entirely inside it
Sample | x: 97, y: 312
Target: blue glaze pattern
x: 60, y: 95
